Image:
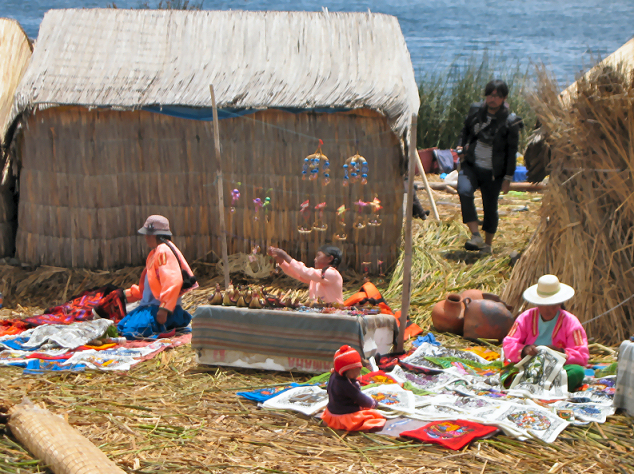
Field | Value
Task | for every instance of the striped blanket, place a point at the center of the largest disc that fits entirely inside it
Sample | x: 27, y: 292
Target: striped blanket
x: 282, y: 333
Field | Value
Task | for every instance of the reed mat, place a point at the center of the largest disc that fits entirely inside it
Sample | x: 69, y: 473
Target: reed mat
x: 171, y: 415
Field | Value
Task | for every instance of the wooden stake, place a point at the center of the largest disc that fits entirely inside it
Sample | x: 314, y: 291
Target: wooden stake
x: 407, y: 259
x: 421, y: 170
x: 220, y: 187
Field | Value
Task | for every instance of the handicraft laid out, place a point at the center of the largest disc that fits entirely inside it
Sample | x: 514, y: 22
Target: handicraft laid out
x: 305, y: 399
x: 392, y: 397
x: 541, y: 376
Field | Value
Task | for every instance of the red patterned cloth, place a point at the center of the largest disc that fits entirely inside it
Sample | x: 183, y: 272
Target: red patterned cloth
x: 12, y: 327
x: 78, y: 308
x: 450, y: 434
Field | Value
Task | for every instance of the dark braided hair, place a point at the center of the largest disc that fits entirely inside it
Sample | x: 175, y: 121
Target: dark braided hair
x: 335, y: 253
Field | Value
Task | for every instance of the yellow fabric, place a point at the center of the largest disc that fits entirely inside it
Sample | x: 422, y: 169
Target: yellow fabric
x: 483, y: 352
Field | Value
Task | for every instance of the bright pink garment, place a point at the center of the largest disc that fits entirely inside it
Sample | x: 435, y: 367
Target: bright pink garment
x: 329, y: 288
x: 568, y: 335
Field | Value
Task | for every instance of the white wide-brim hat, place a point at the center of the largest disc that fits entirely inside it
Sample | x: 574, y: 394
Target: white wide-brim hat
x: 548, y: 291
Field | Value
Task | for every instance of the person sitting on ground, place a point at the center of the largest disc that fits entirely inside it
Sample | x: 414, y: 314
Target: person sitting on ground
x: 160, y: 287
x: 348, y: 407
x: 324, y: 281
x: 548, y: 324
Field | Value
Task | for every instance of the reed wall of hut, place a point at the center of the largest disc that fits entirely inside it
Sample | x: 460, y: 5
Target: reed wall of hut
x: 15, y: 53
x: 90, y: 177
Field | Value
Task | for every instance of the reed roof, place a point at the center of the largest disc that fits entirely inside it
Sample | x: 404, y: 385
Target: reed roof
x: 15, y: 51
x: 620, y: 60
x: 137, y: 58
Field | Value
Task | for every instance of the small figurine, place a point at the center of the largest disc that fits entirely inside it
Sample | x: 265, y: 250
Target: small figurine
x: 235, y: 195
x: 304, y: 210
x: 341, y: 223
x: 359, y: 222
x: 319, y: 224
x: 375, y: 206
x: 258, y: 205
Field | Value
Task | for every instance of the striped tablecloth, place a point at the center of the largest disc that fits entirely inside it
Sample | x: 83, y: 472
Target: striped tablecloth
x: 290, y: 338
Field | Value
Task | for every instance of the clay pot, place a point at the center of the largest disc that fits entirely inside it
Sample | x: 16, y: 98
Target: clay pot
x: 473, y: 294
x: 448, y: 315
x: 480, y: 295
x: 486, y: 319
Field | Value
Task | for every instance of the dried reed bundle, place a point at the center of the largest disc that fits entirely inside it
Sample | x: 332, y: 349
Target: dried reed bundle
x: 585, y: 236
x: 55, y: 442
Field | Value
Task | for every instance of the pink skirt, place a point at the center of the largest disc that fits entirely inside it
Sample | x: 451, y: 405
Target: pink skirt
x: 363, y: 420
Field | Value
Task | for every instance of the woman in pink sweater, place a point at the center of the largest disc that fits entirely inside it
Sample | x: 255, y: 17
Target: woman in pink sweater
x: 324, y: 281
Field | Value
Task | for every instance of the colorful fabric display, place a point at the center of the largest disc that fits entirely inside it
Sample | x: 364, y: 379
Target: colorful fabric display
x: 264, y: 394
x: 484, y: 352
x: 13, y: 327
x: 541, y: 376
x: 450, y: 434
x: 39, y: 366
x: 304, y: 399
x: 79, y: 308
x: 429, y: 338
x: 395, y: 426
x: 378, y: 377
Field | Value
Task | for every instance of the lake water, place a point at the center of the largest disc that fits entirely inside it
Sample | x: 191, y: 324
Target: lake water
x: 566, y: 35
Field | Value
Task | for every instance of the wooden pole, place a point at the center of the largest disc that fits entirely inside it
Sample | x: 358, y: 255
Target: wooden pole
x: 421, y: 170
x: 407, y: 258
x: 220, y: 187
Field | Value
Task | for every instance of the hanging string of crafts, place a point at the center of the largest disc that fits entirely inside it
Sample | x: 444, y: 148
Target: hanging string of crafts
x: 355, y: 169
x: 315, y: 163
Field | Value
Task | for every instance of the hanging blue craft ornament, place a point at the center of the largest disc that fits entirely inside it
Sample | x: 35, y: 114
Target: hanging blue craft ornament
x: 346, y: 179
x: 305, y: 169
x: 358, y: 167
x: 312, y: 164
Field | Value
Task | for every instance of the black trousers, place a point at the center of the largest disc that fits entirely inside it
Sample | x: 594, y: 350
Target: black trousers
x: 471, y: 178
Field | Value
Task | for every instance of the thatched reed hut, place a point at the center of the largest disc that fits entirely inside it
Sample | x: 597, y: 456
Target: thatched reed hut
x: 586, y: 233
x: 15, y: 52
x: 620, y: 62
x: 117, y: 110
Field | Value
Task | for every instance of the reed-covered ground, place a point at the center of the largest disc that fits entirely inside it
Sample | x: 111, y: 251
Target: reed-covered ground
x: 170, y: 415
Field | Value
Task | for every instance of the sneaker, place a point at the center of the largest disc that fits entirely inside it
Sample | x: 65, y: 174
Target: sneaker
x: 476, y: 242
x: 486, y: 250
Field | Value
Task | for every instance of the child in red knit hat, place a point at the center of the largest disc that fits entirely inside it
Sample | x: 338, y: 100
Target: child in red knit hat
x: 348, y: 407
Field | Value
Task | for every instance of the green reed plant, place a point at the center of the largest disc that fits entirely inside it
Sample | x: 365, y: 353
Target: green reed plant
x: 445, y: 97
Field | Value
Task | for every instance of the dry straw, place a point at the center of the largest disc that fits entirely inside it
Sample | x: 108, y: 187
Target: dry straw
x: 586, y: 234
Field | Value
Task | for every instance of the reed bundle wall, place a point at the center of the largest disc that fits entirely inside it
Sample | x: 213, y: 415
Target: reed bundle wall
x: 586, y: 234
x: 89, y: 178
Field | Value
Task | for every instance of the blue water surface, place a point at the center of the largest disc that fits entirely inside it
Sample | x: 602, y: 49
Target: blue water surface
x: 566, y: 35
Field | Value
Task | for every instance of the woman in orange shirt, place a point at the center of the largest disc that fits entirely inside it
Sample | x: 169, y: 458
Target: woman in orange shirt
x: 161, y: 286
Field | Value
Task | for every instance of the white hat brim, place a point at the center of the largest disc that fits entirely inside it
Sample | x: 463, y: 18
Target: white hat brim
x: 564, y: 294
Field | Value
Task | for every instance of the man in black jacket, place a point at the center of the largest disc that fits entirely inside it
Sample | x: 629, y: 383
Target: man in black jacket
x: 489, y: 142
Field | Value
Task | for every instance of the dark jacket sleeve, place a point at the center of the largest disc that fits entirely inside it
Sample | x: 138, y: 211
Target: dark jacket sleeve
x: 512, y: 142
x: 465, y: 135
x: 354, y: 392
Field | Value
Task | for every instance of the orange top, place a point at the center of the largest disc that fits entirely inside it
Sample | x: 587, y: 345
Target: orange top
x: 164, y: 277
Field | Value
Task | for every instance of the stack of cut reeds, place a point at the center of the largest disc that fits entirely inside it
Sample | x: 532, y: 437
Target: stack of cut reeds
x: 586, y: 234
